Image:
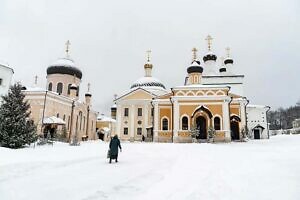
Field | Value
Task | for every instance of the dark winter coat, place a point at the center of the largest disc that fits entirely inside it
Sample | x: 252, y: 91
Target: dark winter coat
x: 113, y: 146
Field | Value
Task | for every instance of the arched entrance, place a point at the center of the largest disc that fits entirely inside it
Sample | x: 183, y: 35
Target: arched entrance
x: 235, y: 127
x: 201, y: 127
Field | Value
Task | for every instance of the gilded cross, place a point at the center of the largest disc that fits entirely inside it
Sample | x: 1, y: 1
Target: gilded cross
x: 148, y: 55
x: 209, y: 41
x: 228, y: 51
x: 35, y: 79
x: 68, y: 43
x: 89, y: 87
x: 194, y: 50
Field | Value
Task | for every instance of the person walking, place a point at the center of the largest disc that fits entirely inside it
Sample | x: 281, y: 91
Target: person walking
x: 113, y: 148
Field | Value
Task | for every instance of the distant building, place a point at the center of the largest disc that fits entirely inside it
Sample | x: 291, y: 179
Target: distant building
x: 296, y: 124
x: 211, y: 98
x: 60, y: 101
x: 257, y: 121
x: 105, y: 127
x: 6, y: 74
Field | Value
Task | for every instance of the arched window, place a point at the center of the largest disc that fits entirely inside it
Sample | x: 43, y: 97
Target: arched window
x: 77, y: 94
x: 217, y: 123
x: 80, y: 118
x: 165, y: 124
x: 59, y: 88
x: 69, y: 88
x: 184, y: 123
x: 50, y: 87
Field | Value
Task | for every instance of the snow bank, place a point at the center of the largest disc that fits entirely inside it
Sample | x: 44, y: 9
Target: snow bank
x: 260, y: 169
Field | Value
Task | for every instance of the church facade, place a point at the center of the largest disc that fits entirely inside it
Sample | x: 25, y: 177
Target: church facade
x: 210, y: 100
x: 58, y: 107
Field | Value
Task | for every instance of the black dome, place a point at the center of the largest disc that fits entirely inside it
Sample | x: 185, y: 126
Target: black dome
x: 228, y: 61
x: 64, y: 66
x: 195, y: 67
x: 209, y: 56
x: 223, y: 69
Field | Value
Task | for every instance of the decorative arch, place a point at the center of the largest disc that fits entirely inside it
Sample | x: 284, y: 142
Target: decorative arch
x: 210, y: 93
x: 165, y: 123
x: 200, y: 93
x: 190, y: 93
x: 235, y: 118
x: 220, y: 92
x: 184, y: 122
x: 180, y: 93
x: 203, y: 109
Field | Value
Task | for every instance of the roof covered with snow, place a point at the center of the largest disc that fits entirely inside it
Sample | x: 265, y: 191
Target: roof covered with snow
x: 64, y: 66
x: 146, y: 82
x: 53, y: 120
x: 6, y: 65
x: 103, y: 118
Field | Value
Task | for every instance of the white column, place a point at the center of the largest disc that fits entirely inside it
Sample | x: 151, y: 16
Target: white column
x: 119, y: 120
x: 145, y: 121
x: 132, y: 121
x: 243, y: 115
x: 226, y: 119
x: 156, y: 121
x: 175, y: 120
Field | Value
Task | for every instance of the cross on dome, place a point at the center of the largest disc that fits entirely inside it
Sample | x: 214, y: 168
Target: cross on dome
x: 89, y: 87
x: 194, y: 50
x: 68, y: 43
x: 228, y: 51
x: 148, y: 55
x: 35, y: 79
x: 209, y: 42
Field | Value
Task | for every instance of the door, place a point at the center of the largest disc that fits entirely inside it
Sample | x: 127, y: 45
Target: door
x: 201, y: 126
x: 256, y: 134
x: 235, y: 131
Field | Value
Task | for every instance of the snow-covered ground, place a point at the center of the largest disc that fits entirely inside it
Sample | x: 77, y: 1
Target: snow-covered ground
x: 261, y: 169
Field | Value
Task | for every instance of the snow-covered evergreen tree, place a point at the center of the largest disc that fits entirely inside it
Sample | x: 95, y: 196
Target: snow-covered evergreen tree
x: 16, y: 129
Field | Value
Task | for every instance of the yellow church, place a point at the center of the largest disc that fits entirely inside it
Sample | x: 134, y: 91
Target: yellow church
x: 210, y: 100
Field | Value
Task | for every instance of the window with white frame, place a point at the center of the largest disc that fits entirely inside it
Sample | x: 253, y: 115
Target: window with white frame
x: 217, y: 123
x: 125, y: 132
x: 140, y: 112
x: 126, y: 112
x: 165, y: 124
x: 184, y: 123
x: 139, y: 131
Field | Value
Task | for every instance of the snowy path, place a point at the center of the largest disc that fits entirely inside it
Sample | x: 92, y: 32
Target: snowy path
x: 264, y: 169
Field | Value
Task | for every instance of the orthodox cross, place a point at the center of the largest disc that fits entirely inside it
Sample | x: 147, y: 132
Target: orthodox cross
x: 209, y: 40
x: 228, y: 51
x: 115, y: 96
x: 148, y: 55
x: 35, y: 79
x: 68, y: 43
x: 89, y: 86
x: 194, y: 50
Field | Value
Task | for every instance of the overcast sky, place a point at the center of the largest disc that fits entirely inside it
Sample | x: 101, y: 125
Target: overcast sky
x: 109, y: 40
